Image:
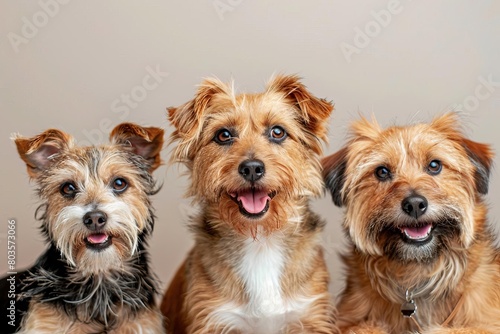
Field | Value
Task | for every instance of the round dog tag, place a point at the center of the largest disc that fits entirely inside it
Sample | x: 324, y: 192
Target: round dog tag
x: 408, y: 309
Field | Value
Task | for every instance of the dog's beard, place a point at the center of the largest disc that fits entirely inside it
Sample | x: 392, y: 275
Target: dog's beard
x: 123, y: 226
x: 92, y: 299
x: 230, y: 212
x: 281, y: 210
x: 437, y: 236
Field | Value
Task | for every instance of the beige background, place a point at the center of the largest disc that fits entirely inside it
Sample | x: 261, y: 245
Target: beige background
x: 70, y: 65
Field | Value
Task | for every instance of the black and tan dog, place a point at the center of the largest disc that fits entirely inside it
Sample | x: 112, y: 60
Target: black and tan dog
x: 96, y: 213
x: 423, y: 257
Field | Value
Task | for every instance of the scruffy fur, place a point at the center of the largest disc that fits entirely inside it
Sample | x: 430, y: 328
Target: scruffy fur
x: 253, y: 269
x: 96, y: 214
x: 443, y: 251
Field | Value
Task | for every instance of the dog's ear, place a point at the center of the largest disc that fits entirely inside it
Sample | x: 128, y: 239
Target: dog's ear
x: 364, y: 129
x: 39, y: 152
x: 144, y: 141
x: 447, y: 124
x: 481, y: 156
x: 315, y: 112
x: 334, y: 169
x: 188, y: 118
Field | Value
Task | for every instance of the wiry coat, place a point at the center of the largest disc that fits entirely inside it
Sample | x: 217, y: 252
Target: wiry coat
x: 259, y: 272
x: 453, y: 273
x: 93, y: 277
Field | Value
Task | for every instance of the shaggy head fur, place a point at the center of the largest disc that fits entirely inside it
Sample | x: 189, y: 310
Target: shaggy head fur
x: 253, y: 161
x: 96, y: 215
x: 416, y: 218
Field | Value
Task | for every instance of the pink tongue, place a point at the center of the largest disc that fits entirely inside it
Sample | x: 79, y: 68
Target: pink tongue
x: 97, y: 238
x: 253, y: 201
x: 417, y: 232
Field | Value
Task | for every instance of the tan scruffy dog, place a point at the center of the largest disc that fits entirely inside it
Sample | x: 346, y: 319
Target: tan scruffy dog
x: 257, y: 265
x: 422, y: 257
x: 97, y: 216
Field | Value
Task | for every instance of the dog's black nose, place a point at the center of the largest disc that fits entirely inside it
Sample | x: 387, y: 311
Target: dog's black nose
x: 414, y: 205
x: 94, y: 220
x: 251, y: 170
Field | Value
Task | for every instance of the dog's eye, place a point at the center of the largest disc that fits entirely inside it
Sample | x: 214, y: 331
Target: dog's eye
x: 277, y: 134
x: 435, y: 167
x: 119, y: 185
x: 223, y: 137
x: 68, y: 189
x: 383, y: 173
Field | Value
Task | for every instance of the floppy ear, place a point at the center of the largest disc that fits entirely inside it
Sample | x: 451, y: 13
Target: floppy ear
x: 481, y: 156
x: 315, y: 112
x: 144, y: 141
x: 38, y: 152
x: 188, y: 118
x: 334, y: 168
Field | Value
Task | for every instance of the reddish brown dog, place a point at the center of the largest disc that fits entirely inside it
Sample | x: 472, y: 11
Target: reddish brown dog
x: 257, y: 265
x: 422, y: 258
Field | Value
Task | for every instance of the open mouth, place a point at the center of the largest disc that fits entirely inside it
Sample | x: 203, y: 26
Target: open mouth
x: 98, y: 241
x: 417, y: 233
x: 252, y: 202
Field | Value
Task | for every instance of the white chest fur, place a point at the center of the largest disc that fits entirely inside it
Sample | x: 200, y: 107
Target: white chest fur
x: 260, y: 268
